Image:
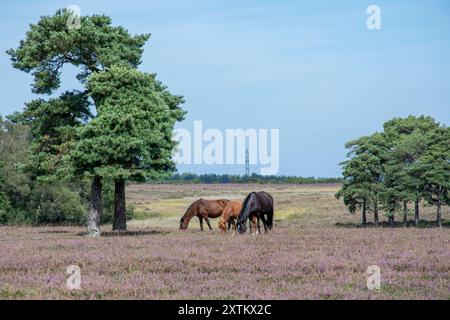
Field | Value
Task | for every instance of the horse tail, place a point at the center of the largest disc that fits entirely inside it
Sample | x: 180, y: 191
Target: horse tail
x: 224, y: 217
x: 270, y: 220
x: 270, y: 215
x: 222, y: 224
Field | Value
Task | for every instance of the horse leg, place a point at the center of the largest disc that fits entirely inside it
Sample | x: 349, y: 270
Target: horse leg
x: 233, y: 223
x: 253, y: 225
x: 270, y: 218
x: 207, y: 222
x: 200, y: 218
x: 258, y: 225
x: 264, y: 223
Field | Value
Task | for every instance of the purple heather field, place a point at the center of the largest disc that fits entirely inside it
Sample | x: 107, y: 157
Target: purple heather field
x: 316, y: 251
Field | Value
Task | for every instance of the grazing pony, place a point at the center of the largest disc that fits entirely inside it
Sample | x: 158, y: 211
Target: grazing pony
x: 230, y: 215
x: 203, y: 209
x: 259, y: 205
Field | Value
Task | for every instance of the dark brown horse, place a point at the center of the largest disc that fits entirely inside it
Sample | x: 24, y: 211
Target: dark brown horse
x: 259, y: 205
x: 203, y: 209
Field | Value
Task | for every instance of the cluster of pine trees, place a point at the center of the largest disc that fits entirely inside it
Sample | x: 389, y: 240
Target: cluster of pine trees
x: 395, y: 170
x: 118, y: 128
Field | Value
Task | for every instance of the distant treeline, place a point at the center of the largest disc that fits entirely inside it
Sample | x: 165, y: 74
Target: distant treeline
x: 188, y: 177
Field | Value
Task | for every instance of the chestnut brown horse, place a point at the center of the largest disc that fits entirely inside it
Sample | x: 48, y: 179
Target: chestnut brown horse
x: 230, y: 215
x: 203, y: 209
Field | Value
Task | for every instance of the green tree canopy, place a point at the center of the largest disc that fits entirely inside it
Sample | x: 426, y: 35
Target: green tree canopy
x: 50, y: 44
x: 53, y: 126
x: 14, y: 154
x: 406, y: 162
x: 131, y: 138
x: 403, y: 183
x: 363, y: 173
x: 434, y: 166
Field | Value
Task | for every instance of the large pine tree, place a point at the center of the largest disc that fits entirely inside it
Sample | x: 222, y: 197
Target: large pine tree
x: 94, y: 48
x: 131, y: 138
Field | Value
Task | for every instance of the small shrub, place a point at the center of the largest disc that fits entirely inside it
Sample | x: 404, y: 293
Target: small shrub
x: 56, y: 204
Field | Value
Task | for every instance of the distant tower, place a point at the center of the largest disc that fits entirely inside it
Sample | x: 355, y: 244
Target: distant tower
x: 247, y: 163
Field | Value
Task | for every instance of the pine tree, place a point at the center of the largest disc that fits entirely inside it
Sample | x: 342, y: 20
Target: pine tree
x: 403, y: 183
x: 131, y: 138
x: 364, y: 173
x: 48, y: 46
x: 434, y: 166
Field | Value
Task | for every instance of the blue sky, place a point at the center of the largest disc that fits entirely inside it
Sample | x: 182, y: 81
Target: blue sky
x: 310, y: 68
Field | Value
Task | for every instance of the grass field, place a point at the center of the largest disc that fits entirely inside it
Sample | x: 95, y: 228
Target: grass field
x: 316, y: 251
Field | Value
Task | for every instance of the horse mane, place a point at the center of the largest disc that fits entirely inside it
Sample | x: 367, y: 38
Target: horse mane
x: 241, y: 216
x: 187, y: 212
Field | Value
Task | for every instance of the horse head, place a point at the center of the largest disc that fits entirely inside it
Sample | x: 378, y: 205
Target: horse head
x: 246, y: 209
x: 183, y: 223
x: 241, y: 226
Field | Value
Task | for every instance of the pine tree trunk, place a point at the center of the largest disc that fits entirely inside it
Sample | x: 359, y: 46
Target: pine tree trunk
x: 391, y: 220
x: 120, y: 219
x: 95, y: 208
x: 438, y: 215
x: 364, y: 218
x: 405, y: 213
x: 375, y: 213
x: 416, y: 213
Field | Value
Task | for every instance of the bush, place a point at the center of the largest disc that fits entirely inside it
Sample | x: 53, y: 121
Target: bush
x: 55, y: 204
x: 5, y: 205
x: 5, y: 208
x: 58, y: 204
x: 14, y: 216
